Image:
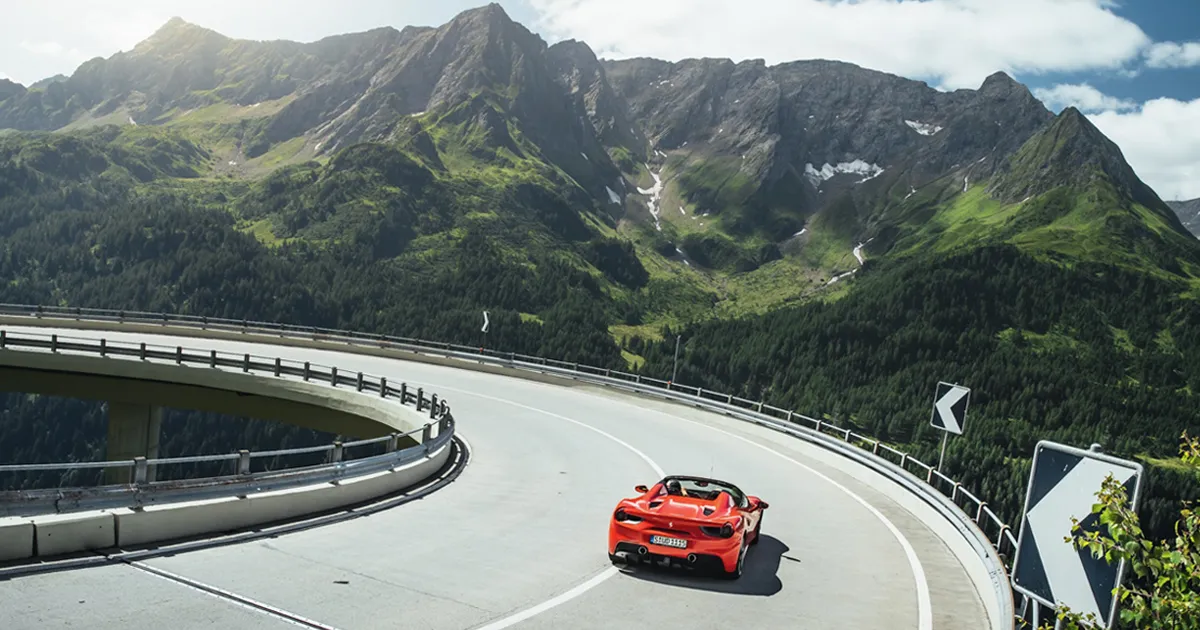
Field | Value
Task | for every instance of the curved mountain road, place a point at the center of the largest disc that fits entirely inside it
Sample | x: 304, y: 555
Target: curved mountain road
x: 519, y: 539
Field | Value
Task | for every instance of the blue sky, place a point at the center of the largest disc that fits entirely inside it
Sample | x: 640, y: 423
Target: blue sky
x: 1133, y: 66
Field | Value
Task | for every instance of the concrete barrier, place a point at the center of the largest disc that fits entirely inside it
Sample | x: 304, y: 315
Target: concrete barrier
x: 59, y: 534
x: 16, y: 538
x: 183, y: 520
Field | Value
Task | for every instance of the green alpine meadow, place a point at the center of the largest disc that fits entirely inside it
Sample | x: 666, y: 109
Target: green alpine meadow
x: 818, y: 235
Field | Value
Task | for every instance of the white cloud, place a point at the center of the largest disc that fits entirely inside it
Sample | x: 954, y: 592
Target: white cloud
x: 1161, y: 140
x: 956, y: 43
x: 1173, y: 55
x: 1083, y: 96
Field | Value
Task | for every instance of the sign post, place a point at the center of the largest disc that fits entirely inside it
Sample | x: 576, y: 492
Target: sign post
x: 1063, y: 484
x: 949, y: 412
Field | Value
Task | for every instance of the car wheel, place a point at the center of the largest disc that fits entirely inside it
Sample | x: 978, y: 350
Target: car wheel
x: 757, y: 532
x: 741, y: 565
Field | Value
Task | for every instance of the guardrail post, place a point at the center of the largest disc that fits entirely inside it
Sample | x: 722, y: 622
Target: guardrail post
x: 336, y: 455
x: 607, y: 373
x: 103, y: 347
x: 212, y: 358
x: 929, y: 477
x: 139, y: 470
x: 333, y: 376
x: 637, y: 378
x: 360, y: 381
x: 819, y: 425
x: 904, y: 461
x: 760, y: 406
x: 433, y: 407
x: 306, y: 370
x: 403, y: 393
x: 420, y: 398
x: 393, y: 442
x: 178, y: 355
x: 427, y: 435
x: 278, y: 366
x: 3, y: 338
x: 142, y: 351
x: 979, y: 512
x: 954, y: 495
x: 204, y: 322
x: 790, y: 414
x: 53, y: 343
x: 875, y: 448
x: 383, y: 387
x: 246, y: 362
x: 729, y: 400
x: 243, y: 462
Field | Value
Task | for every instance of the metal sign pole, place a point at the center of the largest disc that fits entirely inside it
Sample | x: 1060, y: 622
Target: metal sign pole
x: 945, y: 437
x: 675, y: 366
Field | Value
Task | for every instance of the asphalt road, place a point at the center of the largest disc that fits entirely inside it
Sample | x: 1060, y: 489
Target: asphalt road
x: 519, y: 540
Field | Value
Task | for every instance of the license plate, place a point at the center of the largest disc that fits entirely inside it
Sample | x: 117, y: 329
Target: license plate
x: 668, y: 542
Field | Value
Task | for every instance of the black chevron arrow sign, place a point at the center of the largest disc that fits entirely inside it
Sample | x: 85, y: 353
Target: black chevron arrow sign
x: 950, y: 407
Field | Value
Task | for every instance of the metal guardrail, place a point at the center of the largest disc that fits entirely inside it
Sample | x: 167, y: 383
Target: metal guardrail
x: 339, y: 464
x: 969, y: 508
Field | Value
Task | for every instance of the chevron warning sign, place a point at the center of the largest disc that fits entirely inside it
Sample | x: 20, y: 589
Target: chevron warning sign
x: 1063, y: 485
x: 950, y: 408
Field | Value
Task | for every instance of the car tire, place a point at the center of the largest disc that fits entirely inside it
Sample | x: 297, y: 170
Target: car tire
x: 757, y: 532
x: 739, y: 568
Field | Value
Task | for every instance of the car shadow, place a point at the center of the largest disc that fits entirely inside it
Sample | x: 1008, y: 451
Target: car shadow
x: 760, y: 576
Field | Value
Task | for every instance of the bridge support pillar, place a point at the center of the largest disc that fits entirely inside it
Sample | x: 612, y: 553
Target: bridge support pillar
x: 133, y: 431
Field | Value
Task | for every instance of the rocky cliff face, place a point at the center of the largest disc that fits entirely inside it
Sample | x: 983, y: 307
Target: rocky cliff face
x: 814, y: 129
x: 743, y: 150
x: 1189, y: 214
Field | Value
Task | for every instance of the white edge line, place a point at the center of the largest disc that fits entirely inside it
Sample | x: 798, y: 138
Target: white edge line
x: 239, y: 600
x: 924, y: 607
x: 657, y: 469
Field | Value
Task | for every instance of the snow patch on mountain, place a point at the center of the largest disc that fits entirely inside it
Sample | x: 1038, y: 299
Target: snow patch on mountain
x: 828, y: 171
x: 612, y: 195
x: 655, y: 193
x: 925, y: 129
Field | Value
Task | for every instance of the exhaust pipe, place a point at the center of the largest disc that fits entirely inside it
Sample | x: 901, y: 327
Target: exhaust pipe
x: 691, y: 558
x: 643, y: 551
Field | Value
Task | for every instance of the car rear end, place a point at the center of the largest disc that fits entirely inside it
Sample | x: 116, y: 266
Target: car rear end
x: 639, y: 537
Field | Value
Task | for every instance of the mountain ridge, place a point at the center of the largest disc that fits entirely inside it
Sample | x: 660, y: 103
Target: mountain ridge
x: 723, y: 175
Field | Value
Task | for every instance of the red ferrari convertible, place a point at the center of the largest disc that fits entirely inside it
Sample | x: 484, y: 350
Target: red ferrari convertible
x: 691, y: 522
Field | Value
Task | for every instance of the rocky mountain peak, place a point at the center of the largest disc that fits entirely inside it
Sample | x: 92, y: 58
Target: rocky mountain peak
x: 1189, y: 214
x: 180, y: 36
x: 1071, y: 150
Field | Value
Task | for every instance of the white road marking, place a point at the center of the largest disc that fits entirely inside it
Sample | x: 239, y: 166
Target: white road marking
x: 924, y: 607
x: 551, y: 603
x: 239, y: 600
x: 657, y: 469
x: 596, y: 580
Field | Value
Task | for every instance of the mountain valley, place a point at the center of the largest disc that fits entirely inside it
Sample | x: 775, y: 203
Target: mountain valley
x: 826, y: 236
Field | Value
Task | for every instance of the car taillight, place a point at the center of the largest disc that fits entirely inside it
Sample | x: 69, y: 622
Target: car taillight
x: 625, y: 517
x: 621, y: 515
x: 724, y: 531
